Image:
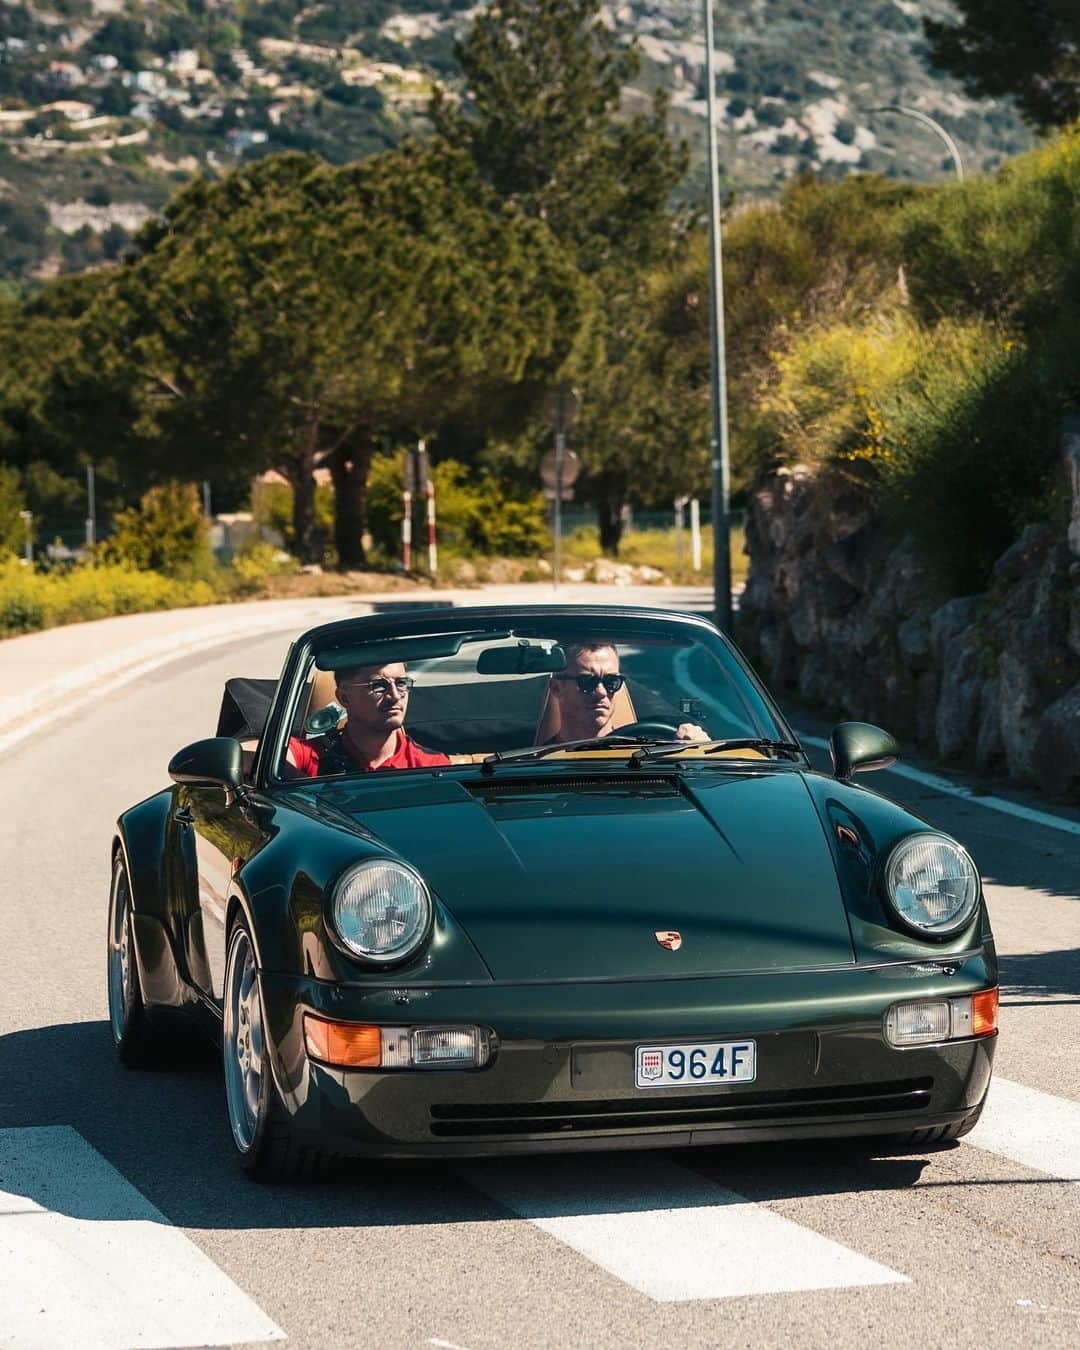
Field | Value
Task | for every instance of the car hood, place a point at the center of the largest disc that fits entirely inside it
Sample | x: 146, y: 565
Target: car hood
x: 575, y: 876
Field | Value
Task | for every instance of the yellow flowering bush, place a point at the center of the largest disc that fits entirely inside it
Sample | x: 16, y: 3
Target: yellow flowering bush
x: 31, y: 599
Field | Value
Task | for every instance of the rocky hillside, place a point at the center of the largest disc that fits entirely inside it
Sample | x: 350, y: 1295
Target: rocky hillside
x: 106, y: 107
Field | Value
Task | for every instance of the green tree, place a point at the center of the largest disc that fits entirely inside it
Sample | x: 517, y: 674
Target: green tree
x: 1028, y: 51
x: 295, y: 313
x: 542, y: 123
x: 12, y: 502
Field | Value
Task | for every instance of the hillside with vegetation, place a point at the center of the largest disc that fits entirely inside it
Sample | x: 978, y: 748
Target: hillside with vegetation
x: 106, y: 111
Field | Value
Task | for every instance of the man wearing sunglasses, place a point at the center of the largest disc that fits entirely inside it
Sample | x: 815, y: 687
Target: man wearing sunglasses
x: 586, y: 694
x: 376, y: 699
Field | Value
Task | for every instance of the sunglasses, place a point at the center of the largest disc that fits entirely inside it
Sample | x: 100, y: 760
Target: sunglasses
x: 588, y: 684
x: 380, y: 687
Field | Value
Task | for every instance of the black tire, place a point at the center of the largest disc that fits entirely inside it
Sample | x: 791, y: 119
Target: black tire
x: 268, y: 1149
x: 139, y: 1044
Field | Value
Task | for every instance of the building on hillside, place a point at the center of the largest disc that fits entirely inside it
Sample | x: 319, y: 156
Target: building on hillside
x: 183, y: 62
x: 73, y: 109
x: 65, y: 75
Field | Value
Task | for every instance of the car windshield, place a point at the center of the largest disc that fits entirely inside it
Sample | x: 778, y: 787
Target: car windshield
x: 563, y: 690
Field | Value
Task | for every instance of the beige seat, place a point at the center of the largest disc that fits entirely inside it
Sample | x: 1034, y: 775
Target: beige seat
x: 322, y: 692
x: 547, y: 727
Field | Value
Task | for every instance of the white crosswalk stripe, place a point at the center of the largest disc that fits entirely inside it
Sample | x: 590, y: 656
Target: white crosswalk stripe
x: 1031, y: 1127
x: 672, y: 1234
x: 87, y: 1261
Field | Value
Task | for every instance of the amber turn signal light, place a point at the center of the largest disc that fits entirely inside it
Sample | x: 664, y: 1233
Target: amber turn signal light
x: 984, y: 1013
x: 347, y: 1044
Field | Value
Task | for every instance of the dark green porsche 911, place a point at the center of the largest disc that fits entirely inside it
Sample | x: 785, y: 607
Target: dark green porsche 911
x: 497, y: 880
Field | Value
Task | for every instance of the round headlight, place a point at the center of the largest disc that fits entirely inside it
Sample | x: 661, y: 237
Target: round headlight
x: 932, y: 884
x: 381, y: 910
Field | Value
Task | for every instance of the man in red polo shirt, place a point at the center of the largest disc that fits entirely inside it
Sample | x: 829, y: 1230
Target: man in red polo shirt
x: 376, y: 699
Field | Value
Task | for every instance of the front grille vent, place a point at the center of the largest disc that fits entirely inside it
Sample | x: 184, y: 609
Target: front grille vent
x: 641, y: 1114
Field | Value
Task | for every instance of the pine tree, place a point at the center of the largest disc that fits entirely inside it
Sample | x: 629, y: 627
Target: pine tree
x: 543, y: 123
x: 1025, y: 49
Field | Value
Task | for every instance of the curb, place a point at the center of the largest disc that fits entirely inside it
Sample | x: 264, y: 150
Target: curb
x: 22, y: 715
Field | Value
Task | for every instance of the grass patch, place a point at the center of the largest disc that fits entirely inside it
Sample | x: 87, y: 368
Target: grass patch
x: 657, y: 548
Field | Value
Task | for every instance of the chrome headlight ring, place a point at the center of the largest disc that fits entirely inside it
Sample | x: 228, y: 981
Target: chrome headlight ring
x: 380, y: 910
x: 931, y: 884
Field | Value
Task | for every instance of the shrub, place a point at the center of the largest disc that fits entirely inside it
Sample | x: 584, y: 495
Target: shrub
x: 257, y: 561
x: 21, y: 609
x: 1006, y: 246
x: 951, y: 430
x: 979, y: 443
x: 31, y: 600
x: 166, y: 533
x: 475, y: 517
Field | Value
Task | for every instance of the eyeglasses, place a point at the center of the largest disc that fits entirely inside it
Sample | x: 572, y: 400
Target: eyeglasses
x: 380, y: 687
x: 588, y: 684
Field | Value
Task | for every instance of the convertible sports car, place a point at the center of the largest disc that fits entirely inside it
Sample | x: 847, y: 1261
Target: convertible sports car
x: 497, y: 880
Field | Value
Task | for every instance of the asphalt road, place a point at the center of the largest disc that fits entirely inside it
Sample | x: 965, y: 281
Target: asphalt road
x: 966, y: 1246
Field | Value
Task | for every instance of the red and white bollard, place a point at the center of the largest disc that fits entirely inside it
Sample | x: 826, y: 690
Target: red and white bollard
x: 406, y: 531
x: 432, y: 548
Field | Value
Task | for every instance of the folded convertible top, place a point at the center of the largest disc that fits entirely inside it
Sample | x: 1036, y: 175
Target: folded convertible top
x: 244, y: 708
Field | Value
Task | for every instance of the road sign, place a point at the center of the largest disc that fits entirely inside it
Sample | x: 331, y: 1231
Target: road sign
x: 571, y: 467
x: 561, y: 406
x: 549, y: 494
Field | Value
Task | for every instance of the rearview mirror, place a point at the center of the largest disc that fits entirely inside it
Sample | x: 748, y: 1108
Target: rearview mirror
x: 526, y: 658
x: 217, y: 762
x: 858, y: 747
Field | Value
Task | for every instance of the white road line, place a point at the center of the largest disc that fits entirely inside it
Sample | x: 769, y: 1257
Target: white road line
x: 1030, y: 1127
x: 670, y: 1233
x: 940, y: 784
x: 86, y: 1260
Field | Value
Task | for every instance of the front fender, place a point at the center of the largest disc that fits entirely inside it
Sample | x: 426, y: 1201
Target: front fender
x: 283, y: 890
x: 159, y: 878
x: 861, y: 827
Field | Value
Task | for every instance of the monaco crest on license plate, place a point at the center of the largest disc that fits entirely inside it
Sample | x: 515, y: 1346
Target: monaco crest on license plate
x: 652, y: 1063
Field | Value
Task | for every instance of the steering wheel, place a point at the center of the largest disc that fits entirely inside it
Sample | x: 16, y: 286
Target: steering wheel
x: 657, y: 731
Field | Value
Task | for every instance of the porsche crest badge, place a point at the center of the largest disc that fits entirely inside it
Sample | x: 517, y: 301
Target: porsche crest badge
x: 670, y: 941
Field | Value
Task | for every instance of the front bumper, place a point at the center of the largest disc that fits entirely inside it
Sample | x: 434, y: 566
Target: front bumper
x: 562, y: 1076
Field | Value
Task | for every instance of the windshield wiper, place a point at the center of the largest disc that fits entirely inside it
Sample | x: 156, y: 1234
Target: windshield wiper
x: 669, y: 751
x: 589, y: 743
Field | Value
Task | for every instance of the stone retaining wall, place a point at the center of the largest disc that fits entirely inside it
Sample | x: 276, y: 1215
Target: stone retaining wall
x: 835, y: 613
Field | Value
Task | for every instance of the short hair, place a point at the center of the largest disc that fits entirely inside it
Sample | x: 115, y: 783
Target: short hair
x: 578, y: 649
x: 348, y: 674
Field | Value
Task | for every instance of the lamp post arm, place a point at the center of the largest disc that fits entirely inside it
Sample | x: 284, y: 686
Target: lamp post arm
x: 936, y: 127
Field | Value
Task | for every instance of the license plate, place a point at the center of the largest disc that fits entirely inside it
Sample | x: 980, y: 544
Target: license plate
x: 707, y: 1064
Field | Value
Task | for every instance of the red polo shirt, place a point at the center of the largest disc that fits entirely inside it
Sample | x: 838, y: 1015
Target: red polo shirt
x: 408, y: 755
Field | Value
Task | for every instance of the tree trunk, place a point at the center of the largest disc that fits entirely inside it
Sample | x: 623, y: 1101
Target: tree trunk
x: 300, y: 471
x: 609, y: 519
x: 349, y: 464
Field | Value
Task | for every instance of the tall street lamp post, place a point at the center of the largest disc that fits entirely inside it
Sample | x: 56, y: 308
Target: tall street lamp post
x: 719, y: 458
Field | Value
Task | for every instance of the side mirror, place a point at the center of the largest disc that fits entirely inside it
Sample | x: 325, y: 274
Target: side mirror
x: 217, y: 762
x: 858, y: 747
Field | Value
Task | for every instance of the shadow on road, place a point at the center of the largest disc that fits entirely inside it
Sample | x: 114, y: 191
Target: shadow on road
x: 165, y: 1132
x: 1040, y: 977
